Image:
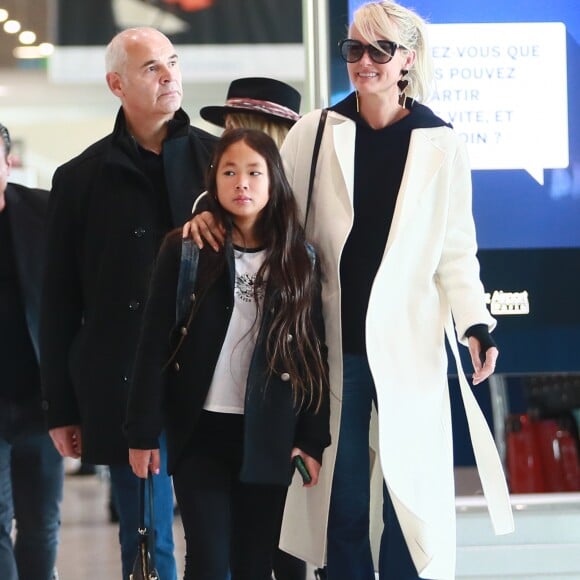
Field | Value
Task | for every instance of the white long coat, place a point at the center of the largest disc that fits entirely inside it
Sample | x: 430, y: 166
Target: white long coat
x: 428, y: 270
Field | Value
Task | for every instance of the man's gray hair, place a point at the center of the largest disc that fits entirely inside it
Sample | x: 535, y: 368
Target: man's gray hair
x: 116, y: 52
x: 116, y: 55
x: 5, y: 135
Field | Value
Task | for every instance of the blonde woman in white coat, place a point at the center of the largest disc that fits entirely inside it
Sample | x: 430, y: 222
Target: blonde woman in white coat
x: 391, y: 218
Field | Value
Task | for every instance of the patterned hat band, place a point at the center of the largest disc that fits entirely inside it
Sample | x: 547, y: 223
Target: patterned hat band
x: 267, y: 107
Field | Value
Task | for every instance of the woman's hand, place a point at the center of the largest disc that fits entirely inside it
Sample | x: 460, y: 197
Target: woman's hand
x: 144, y: 460
x: 204, y: 227
x: 311, y: 464
x: 485, y: 370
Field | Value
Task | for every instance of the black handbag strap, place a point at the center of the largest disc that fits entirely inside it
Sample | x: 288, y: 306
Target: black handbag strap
x: 143, y: 530
x: 315, y: 152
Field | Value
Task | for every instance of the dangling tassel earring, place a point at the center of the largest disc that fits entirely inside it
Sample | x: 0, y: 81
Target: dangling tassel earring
x: 403, y: 84
x: 357, y: 104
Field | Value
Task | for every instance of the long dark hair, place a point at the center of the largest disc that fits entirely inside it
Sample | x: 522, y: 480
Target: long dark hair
x: 288, y: 272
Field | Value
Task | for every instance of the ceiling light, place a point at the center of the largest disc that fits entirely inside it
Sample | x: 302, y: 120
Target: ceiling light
x: 31, y: 52
x: 46, y: 48
x: 27, y: 37
x: 27, y: 52
x: 3, y: 15
x: 12, y: 26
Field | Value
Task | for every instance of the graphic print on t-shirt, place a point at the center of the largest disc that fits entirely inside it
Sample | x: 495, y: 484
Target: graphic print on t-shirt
x: 244, y: 287
x: 228, y: 387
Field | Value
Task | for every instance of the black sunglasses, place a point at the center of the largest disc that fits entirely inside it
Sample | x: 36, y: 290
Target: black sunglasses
x: 353, y: 50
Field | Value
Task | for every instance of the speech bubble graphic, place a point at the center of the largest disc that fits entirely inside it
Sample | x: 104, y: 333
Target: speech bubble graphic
x: 503, y: 86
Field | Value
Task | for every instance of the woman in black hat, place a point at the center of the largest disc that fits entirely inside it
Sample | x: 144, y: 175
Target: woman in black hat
x: 265, y: 104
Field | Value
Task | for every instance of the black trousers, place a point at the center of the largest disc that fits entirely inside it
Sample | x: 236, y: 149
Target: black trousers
x: 229, y: 526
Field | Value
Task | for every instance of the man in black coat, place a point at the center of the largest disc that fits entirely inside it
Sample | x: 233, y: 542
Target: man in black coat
x: 109, y: 210
x: 31, y: 470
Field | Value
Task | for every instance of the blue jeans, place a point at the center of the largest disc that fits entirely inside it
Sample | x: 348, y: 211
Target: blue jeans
x: 349, y: 548
x: 125, y: 495
x: 31, y: 482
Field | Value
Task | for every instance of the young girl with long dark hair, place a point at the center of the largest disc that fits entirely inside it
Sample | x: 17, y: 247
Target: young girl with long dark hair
x: 239, y: 382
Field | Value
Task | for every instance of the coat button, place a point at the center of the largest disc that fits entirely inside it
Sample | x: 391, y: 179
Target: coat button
x: 290, y: 338
x: 176, y: 367
x: 134, y: 305
x: 183, y: 330
x: 139, y: 232
x: 285, y: 376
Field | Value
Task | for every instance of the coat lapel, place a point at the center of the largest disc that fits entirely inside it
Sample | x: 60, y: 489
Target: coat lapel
x: 344, y: 137
x: 424, y: 160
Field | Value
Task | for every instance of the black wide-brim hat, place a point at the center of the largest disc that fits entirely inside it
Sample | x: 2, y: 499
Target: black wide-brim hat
x: 257, y: 95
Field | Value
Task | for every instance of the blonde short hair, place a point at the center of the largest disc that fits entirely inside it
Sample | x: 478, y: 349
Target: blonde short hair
x: 386, y: 19
x: 276, y: 129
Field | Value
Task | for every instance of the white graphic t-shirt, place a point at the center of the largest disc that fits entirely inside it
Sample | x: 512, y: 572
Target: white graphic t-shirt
x: 228, y: 387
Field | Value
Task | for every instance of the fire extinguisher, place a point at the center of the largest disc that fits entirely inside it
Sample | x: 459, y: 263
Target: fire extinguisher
x: 559, y: 456
x: 524, y: 466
